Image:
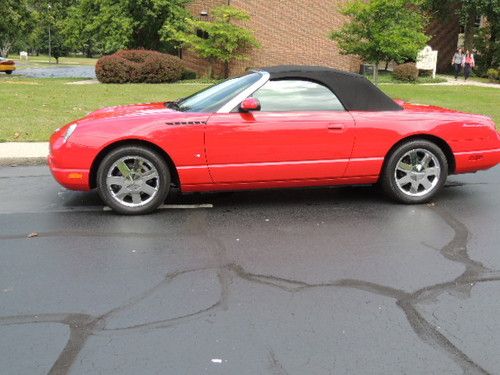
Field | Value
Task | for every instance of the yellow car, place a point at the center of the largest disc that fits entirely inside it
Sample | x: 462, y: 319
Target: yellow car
x: 7, y: 66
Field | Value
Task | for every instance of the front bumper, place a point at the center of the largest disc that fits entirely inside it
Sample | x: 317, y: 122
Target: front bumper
x: 66, y: 161
x: 73, y: 179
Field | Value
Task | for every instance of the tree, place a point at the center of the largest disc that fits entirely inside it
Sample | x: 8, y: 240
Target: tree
x: 48, y: 15
x: 149, y: 16
x: 382, y: 30
x: 102, y: 26
x: 14, y: 23
x: 485, y: 40
x: 218, y: 40
x: 105, y: 26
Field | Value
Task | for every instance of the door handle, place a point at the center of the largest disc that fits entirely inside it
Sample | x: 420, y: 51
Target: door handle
x: 337, y: 127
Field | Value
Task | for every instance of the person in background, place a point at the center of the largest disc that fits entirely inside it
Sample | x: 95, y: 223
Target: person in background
x: 457, y: 62
x: 468, y: 64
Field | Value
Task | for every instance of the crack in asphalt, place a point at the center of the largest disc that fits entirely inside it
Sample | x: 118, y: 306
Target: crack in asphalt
x: 275, y: 366
x: 84, y: 326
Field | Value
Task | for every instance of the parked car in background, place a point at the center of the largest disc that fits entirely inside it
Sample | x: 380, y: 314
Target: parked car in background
x: 7, y: 66
x: 278, y: 127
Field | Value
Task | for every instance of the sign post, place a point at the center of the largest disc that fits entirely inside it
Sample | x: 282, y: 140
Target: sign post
x: 427, y: 60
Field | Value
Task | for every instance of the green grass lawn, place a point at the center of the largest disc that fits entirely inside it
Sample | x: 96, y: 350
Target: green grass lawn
x: 43, y: 61
x: 481, y: 100
x: 31, y: 109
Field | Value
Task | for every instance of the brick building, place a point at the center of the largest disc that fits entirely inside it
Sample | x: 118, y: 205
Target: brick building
x: 296, y: 32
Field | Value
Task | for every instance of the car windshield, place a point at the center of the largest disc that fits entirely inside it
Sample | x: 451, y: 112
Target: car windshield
x: 213, y: 98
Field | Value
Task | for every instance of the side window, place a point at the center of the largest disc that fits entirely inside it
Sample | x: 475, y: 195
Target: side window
x: 295, y: 96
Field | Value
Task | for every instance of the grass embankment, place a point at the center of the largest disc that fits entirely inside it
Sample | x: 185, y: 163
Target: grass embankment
x: 31, y: 109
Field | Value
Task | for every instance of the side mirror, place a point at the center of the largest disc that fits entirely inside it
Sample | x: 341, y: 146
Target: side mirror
x: 250, y: 104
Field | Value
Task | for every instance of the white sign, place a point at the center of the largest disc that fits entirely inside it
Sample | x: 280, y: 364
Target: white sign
x: 427, y: 60
x: 23, y: 54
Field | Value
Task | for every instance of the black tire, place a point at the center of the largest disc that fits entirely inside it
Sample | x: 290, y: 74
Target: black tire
x: 8, y: 71
x: 152, y: 202
x: 392, y: 177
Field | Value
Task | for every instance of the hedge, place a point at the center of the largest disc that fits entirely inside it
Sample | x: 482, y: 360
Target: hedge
x: 139, y: 66
x: 406, y: 72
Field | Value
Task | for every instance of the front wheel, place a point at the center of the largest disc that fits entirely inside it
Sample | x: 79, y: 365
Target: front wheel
x: 133, y: 180
x: 415, y: 172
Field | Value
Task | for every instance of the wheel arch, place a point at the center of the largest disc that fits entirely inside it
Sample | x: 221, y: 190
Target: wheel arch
x: 132, y: 142
x: 441, y: 143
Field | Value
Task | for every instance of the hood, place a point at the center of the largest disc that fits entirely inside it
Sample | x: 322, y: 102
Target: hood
x: 128, y: 110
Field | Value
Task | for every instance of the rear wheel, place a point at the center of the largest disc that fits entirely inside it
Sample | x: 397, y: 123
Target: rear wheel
x: 415, y: 172
x: 8, y: 71
x: 133, y: 180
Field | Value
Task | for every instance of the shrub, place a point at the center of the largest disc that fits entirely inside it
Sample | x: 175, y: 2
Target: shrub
x: 139, y: 66
x: 189, y: 74
x: 493, y: 74
x: 406, y: 72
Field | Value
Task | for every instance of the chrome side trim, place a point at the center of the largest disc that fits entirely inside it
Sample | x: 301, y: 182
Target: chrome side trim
x: 268, y: 164
x: 230, y: 105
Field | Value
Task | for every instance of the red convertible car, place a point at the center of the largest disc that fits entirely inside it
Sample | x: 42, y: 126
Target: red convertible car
x: 278, y: 127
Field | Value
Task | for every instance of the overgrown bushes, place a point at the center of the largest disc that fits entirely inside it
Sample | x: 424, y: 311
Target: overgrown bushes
x: 189, y: 74
x: 406, y: 72
x: 139, y: 66
x: 493, y: 75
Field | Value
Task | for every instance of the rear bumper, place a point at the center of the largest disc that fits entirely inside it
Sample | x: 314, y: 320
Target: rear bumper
x: 473, y: 161
x: 74, y: 179
x: 7, y: 68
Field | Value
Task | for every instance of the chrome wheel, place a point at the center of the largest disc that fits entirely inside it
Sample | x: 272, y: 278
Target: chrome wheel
x: 133, y: 181
x: 417, y: 172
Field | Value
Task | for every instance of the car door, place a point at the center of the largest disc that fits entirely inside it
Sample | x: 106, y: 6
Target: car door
x: 302, y: 132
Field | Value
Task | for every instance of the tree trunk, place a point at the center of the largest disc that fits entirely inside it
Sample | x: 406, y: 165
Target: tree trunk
x: 470, y: 30
x: 226, y: 69
x: 375, y: 72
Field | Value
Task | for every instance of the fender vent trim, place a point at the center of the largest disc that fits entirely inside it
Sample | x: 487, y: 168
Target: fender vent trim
x: 186, y: 123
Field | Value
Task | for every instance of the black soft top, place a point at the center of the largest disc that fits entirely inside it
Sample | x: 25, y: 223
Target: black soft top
x: 354, y: 91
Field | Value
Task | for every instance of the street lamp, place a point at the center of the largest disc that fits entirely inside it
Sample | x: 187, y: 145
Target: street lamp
x: 50, y: 47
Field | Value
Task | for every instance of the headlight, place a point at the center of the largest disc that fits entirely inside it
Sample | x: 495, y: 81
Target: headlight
x: 71, y: 130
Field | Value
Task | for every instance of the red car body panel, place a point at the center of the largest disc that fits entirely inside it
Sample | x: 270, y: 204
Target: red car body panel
x: 230, y: 151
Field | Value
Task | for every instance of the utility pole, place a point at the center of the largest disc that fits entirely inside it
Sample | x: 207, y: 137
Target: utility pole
x: 50, y: 47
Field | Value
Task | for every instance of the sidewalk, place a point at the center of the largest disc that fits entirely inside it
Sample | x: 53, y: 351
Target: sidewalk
x: 23, y: 153
x: 450, y: 81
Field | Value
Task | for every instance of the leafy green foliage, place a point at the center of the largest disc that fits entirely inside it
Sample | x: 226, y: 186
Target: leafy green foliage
x: 493, y: 74
x: 105, y: 26
x: 382, y: 30
x: 217, y: 40
x: 101, y: 26
x: 15, y: 19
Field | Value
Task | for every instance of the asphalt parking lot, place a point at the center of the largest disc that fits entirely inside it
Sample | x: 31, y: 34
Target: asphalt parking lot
x: 321, y: 281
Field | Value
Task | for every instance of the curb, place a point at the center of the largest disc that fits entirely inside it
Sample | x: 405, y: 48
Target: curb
x: 23, y: 153
x: 22, y: 161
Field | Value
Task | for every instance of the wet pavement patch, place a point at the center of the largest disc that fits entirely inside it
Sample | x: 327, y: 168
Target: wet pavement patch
x: 280, y: 282
x: 77, y: 71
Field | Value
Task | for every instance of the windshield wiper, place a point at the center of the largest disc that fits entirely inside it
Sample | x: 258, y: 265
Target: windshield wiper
x: 175, y: 105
